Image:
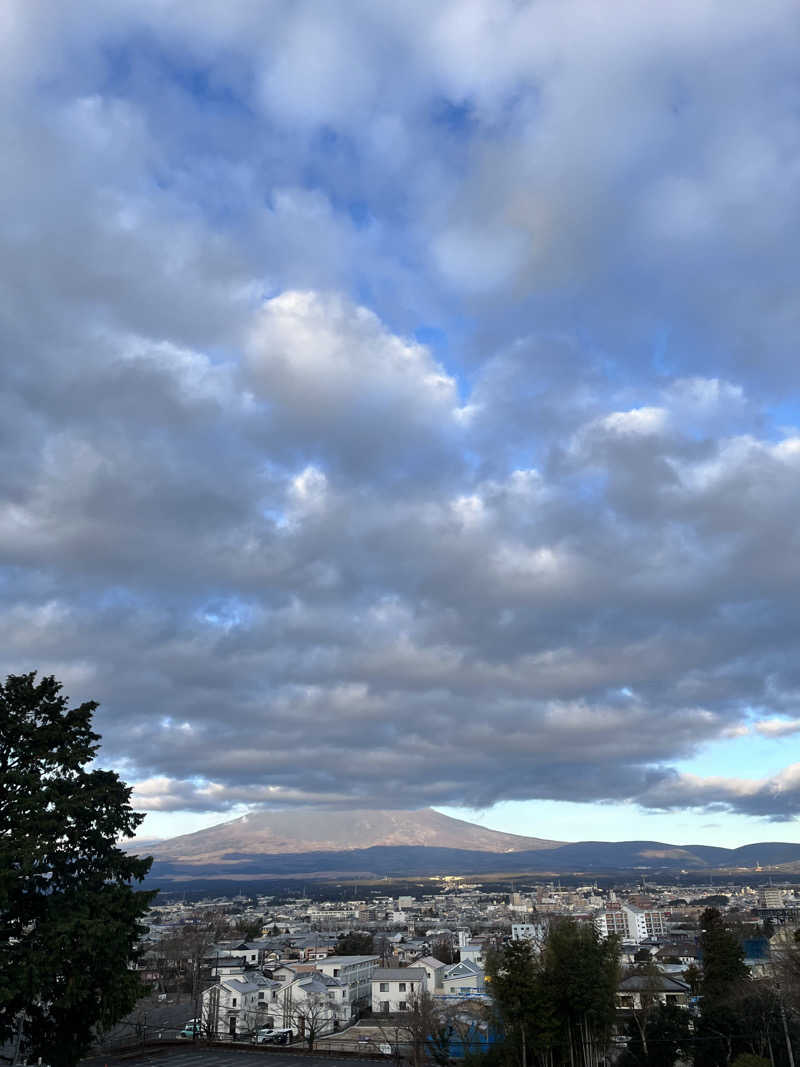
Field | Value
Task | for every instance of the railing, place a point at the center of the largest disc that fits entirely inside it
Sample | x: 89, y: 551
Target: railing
x: 326, y: 1046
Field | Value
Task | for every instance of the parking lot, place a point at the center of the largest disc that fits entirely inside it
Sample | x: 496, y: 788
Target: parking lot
x: 176, y: 1056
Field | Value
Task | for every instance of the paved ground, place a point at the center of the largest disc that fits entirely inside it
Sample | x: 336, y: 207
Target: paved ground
x: 179, y: 1057
x: 166, y: 1016
x: 366, y: 1038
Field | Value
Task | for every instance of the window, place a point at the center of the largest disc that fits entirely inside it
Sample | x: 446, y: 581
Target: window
x: 233, y: 1002
x: 261, y: 996
x: 336, y: 972
x: 402, y: 987
x: 383, y: 987
x: 403, y: 1006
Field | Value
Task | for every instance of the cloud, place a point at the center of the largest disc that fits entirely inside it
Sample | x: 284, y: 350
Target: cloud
x: 776, y: 797
x: 332, y: 378
x: 404, y: 440
x: 777, y: 727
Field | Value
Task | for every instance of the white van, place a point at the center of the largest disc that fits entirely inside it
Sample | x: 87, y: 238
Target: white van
x: 269, y: 1036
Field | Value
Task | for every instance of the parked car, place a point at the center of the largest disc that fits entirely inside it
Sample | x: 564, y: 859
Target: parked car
x: 269, y: 1036
x: 192, y: 1029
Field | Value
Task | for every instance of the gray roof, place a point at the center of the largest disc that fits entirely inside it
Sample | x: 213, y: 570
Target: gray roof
x: 464, y: 967
x: 653, y: 983
x: 343, y: 961
x: 431, y: 961
x: 398, y: 974
x: 314, y: 984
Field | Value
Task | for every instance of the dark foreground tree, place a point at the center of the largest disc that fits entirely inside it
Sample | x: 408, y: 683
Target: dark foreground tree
x: 660, y: 1040
x: 523, y: 1003
x: 727, y: 1021
x: 69, y: 918
x: 556, y: 1007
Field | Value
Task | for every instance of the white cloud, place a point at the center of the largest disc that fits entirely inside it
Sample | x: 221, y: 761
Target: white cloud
x: 777, y: 727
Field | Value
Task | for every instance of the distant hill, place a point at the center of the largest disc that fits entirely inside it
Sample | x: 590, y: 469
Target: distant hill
x: 288, y: 833
x: 404, y: 843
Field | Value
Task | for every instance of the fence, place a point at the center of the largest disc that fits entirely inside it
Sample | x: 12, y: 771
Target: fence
x: 345, y: 1046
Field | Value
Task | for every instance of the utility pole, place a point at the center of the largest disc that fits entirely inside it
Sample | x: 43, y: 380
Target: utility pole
x: 18, y: 1038
x: 789, y: 1050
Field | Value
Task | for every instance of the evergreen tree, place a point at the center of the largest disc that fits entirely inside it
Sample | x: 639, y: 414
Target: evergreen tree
x: 723, y: 957
x: 69, y: 918
x: 581, y: 972
x: 356, y: 943
x: 724, y: 1024
x: 522, y: 1001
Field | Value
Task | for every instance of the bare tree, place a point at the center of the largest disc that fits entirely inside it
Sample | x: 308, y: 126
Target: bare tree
x: 313, y: 1017
x: 648, y: 996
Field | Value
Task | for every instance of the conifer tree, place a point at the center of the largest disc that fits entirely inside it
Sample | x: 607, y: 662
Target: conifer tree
x: 69, y: 917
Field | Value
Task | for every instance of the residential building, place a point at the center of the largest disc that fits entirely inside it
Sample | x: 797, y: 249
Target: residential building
x: 394, y: 989
x: 434, y: 971
x: 355, y: 972
x: 473, y: 952
x: 630, y: 923
x: 465, y: 977
x: 633, y: 992
x: 240, y: 1003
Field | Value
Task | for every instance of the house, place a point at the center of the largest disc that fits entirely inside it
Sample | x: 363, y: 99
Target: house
x: 465, y: 977
x: 472, y: 952
x: 250, y: 952
x: 434, y: 970
x: 634, y: 992
x: 240, y: 1003
x: 355, y: 972
x: 289, y: 972
x: 683, y: 952
x: 394, y: 989
x: 317, y: 1002
x: 407, y: 950
x: 324, y: 995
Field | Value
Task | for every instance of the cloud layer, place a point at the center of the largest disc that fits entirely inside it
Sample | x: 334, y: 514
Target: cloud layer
x: 399, y: 406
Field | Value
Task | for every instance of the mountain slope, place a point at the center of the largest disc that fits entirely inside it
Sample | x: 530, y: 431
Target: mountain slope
x: 297, y: 832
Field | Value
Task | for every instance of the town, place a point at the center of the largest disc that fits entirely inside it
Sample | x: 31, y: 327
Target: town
x: 368, y: 973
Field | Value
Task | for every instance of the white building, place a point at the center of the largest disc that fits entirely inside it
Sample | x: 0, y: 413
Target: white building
x: 472, y: 952
x: 630, y: 923
x: 316, y: 1001
x: 770, y: 898
x: 394, y: 989
x: 353, y: 971
x: 240, y: 1003
x: 534, y: 932
x: 434, y: 971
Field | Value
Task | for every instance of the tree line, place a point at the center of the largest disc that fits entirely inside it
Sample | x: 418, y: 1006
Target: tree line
x: 557, y: 1007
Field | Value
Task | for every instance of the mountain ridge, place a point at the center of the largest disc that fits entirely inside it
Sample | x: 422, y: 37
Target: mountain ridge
x: 367, y: 842
x: 307, y: 830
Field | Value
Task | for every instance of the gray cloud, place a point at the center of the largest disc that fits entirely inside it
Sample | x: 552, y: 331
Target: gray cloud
x: 403, y: 440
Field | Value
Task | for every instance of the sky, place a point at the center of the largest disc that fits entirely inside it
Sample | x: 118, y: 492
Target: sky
x: 399, y: 404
